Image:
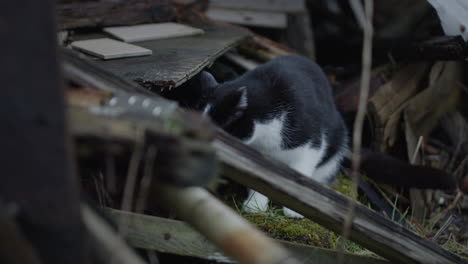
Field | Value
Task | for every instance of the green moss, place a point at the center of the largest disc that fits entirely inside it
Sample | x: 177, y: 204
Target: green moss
x: 296, y: 230
x: 343, y: 185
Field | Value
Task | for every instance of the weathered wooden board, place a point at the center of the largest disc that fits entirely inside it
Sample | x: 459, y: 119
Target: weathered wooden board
x: 175, y: 60
x: 283, y: 6
x: 248, y: 17
x: 176, y: 237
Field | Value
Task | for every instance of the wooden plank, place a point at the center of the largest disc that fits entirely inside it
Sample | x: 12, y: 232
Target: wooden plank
x: 35, y: 160
x: 115, y: 13
x: 283, y: 6
x: 299, y: 34
x: 322, y: 204
x: 152, y: 31
x: 325, y: 206
x: 176, y: 237
x: 175, y: 60
x: 107, y: 49
x: 248, y: 17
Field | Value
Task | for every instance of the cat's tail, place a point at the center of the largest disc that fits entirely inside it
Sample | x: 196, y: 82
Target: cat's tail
x: 388, y: 170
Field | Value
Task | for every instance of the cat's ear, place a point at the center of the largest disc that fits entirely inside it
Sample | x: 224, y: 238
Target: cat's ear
x: 207, y: 80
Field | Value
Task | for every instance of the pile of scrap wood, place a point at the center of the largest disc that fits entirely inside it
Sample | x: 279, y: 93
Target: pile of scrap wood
x: 142, y: 160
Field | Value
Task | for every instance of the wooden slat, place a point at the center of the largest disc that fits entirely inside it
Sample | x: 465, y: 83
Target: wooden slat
x: 282, y: 6
x: 248, y: 17
x: 176, y: 237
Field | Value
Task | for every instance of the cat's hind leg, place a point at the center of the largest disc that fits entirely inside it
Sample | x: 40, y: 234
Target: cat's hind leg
x: 305, y: 163
x: 255, y: 203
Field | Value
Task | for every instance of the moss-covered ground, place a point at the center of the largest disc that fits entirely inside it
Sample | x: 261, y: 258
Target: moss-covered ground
x: 303, y: 231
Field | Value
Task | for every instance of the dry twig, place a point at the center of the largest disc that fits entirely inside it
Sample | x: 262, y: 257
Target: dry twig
x: 358, y: 124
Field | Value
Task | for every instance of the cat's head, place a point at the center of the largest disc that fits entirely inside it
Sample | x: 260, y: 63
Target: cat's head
x: 223, y: 103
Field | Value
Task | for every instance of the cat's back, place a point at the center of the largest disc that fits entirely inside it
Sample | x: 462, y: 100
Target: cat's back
x: 292, y: 79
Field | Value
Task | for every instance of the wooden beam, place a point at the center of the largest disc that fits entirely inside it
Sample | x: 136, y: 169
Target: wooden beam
x: 35, y: 159
x: 176, y: 237
x: 248, y: 17
x: 282, y: 6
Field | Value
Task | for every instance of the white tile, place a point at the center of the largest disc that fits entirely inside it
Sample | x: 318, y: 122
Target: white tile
x: 106, y: 48
x: 152, y: 31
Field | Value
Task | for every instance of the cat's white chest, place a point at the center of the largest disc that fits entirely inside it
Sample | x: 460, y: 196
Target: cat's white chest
x: 267, y: 137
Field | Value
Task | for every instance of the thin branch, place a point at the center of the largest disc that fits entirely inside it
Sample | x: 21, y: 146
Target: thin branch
x: 358, y: 124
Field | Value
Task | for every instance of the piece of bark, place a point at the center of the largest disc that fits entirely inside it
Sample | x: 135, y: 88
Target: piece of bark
x: 425, y: 110
x: 386, y: 105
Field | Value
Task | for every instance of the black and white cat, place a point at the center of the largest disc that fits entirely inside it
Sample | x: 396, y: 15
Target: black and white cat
x: 285, y: 110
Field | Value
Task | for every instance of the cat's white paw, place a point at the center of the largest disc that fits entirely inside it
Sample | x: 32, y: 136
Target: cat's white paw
x: 255, y: 203
x: 290, y: 213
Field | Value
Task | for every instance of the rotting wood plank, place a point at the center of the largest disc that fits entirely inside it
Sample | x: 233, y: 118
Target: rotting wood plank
x: 175, y: 60
x: 176, y: 237
x: 323, y: 205
x: 283, y: 6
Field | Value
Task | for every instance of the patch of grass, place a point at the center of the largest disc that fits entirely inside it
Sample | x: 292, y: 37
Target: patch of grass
x: 453, y: 246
